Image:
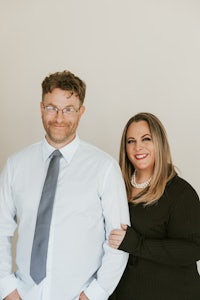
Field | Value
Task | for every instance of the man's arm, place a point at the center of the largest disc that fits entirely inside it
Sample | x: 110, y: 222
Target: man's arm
x: 115, y: 212
x: 8, y: 281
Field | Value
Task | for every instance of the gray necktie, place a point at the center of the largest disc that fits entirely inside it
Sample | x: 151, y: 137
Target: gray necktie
x: 41, y: 237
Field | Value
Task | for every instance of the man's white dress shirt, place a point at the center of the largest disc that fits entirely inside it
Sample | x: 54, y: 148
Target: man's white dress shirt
x: 90, y: 201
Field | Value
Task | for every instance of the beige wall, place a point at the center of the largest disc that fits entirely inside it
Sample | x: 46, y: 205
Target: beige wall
x: 134, y: 56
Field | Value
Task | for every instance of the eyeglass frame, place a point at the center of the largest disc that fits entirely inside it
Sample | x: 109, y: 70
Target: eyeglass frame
x: 55, y: 109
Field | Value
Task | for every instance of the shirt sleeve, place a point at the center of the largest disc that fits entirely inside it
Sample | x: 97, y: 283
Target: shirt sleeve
x: 8, y: 282
x: 181, y: 246
x: 115, y: 212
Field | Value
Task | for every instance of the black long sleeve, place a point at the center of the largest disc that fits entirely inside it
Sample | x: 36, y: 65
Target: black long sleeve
x: 164, y: 246
x: 179, y: 243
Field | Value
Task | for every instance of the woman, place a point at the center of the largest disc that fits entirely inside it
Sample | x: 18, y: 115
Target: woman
x: 164, y: 238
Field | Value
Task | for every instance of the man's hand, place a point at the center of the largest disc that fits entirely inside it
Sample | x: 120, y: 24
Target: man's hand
x: 13, y: 296
x: 83, y: 296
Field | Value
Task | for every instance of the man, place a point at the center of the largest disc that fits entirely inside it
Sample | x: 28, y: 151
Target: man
x: 89, y: 202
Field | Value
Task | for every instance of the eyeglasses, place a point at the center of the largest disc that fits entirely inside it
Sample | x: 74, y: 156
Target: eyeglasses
x: 53, y: 110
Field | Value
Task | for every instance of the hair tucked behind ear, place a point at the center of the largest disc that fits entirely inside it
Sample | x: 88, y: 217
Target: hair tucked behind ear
x: 164, y: 169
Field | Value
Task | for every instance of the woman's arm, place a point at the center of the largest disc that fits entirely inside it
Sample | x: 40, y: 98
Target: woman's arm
x: 182, y: 244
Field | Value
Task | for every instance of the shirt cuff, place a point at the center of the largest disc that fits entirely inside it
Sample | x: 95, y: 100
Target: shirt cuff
x: 7, y: 285
x: 95, y: 292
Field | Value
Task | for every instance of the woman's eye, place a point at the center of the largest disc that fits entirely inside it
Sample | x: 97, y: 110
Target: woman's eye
x: 130, y: 141
x: 147, y: 139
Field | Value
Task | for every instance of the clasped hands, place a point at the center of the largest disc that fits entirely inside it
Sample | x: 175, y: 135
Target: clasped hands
x: 116, y: 236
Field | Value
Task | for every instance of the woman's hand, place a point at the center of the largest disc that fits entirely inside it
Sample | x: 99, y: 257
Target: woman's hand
x: 116, y: 236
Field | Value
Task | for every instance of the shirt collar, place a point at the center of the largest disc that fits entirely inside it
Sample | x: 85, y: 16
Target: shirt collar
x: 67, y: 151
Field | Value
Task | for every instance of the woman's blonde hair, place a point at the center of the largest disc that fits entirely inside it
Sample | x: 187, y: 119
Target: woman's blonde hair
x: 163, y: 169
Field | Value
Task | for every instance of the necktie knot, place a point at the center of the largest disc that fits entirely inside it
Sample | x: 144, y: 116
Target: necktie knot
x: 56, y: 153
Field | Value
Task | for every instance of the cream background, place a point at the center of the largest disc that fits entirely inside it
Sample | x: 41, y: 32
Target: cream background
x: 134, y: 56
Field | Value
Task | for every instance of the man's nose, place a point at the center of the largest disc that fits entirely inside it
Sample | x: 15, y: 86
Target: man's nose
x: 59, y: 116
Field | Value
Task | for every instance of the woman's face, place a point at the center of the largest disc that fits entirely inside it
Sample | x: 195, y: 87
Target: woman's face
x: 140, y: 147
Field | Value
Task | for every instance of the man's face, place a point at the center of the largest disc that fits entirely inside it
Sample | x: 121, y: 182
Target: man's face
x: 60, y: 127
